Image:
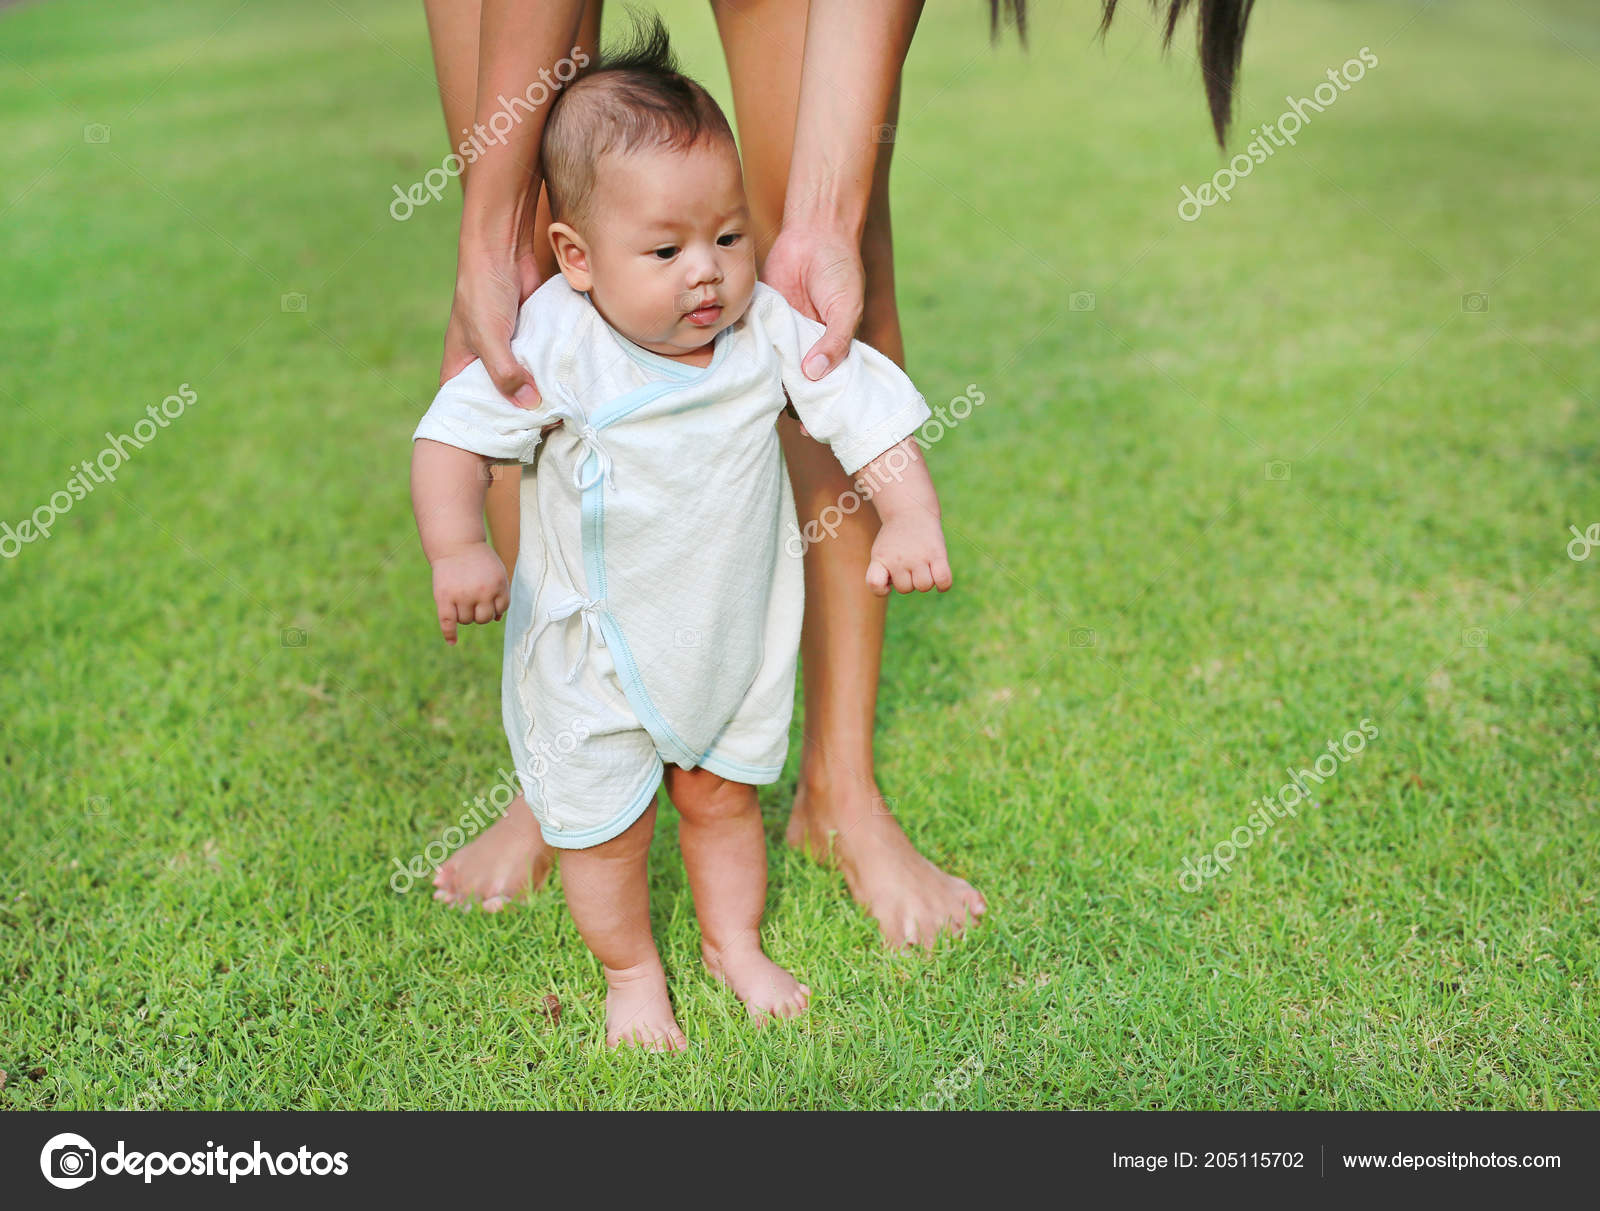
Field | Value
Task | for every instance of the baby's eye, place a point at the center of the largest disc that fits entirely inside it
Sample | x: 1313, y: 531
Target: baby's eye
x: 729, y: 240
x: 667, y: 253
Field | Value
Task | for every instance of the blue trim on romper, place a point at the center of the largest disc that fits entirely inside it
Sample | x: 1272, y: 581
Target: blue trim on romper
x: 737, y: 771
x: 614, y: 827
x: 649, y: 360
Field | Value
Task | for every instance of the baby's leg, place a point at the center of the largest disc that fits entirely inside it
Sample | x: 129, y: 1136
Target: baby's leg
x: 725, y: 853
x: 608, y: 893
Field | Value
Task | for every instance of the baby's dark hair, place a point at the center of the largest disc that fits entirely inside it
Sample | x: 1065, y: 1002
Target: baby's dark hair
x: 632, y: 97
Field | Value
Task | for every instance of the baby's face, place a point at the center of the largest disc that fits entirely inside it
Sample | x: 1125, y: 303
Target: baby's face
x: 671, y: 261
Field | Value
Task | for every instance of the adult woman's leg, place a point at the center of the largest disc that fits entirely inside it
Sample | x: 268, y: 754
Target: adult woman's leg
x: 838, y: 812
x: 510, y: 857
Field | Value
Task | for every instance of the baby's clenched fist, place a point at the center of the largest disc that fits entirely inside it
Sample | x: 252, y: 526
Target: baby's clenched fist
x: 469, y: 586
x: 908, y: 555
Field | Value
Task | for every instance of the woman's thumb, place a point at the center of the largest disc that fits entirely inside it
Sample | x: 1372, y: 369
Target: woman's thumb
x: 833, y: 346
x: 512, y: 380
x: 827, y: 353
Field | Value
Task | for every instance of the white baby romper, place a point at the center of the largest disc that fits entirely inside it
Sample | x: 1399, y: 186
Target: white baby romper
x: 655, y: 606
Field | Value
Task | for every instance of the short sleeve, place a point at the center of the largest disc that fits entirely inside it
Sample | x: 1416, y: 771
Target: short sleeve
x: 470, y: 413
x: 865, y: 405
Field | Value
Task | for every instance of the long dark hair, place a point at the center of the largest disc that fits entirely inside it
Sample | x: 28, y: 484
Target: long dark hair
x: 1221, y: 37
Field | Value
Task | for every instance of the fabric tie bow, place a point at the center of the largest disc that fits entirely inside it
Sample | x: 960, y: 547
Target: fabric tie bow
x: 586, y: 609
x: 590, y: 437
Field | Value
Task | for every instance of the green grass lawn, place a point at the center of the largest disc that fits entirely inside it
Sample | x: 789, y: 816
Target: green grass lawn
x: 1282, y: 476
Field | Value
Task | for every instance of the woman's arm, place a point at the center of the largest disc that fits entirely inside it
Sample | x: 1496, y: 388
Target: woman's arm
x: 853, y: 56
x: 494, y: 257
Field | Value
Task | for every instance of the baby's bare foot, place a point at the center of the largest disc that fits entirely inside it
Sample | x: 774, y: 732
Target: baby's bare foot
x: 638, y: 1013
x: 506, y: 862
x: 763, y: 986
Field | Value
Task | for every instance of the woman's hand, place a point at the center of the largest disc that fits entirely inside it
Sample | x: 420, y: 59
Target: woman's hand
x: 818, y: 270
x: 491, y: 285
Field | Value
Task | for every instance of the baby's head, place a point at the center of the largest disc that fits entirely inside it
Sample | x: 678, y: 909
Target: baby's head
x: 649, y: 216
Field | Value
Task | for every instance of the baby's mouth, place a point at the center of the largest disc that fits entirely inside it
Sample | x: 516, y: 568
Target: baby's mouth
x: 705, y: 315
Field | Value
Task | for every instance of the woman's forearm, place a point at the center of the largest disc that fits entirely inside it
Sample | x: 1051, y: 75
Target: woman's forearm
x: 516, y: 39
x: 853, y: 56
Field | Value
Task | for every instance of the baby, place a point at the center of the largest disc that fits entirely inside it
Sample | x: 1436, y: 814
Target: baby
x: 653, y: 622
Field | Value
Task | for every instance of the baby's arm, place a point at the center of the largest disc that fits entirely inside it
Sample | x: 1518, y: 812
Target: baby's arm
x: 908, y: 552
x: 448, y: 485
x: 469, y: 426
x: 860, y: 408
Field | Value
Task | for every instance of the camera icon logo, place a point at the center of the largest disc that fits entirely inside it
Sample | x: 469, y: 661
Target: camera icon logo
x: 1278, y: 471
x: 1082, y: 637
x: 97, y: 132
x: 883, y: 133
x: 1081, y: 300
x: 1475, y: 637
x: 1475, y: 303
x: 292, y: 637
x: 67, y: 1161
x: 293, y: 303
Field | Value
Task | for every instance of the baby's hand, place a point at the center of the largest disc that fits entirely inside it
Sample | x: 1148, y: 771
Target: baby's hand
x: 909, y: 554
x: 469, y: 585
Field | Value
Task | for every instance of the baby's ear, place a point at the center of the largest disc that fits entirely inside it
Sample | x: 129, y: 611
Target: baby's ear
x: 572, y: 256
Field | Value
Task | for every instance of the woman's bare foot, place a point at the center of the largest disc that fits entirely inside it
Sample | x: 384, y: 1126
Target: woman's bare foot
x: 507, y: 861
x: 638, y: 1013
x: 763, y: 986
x: 912, y: 900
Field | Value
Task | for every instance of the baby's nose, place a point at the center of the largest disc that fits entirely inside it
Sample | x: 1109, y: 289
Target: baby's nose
x: 703, y: 270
